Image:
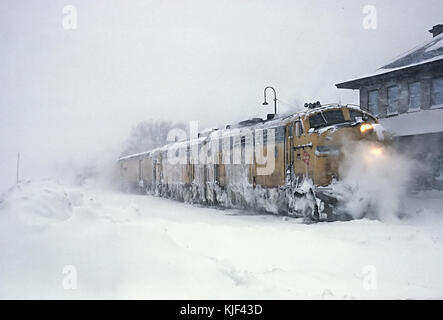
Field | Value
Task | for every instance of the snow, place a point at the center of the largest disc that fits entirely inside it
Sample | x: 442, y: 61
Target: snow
x: 435, y: 46
x: 427, y: 52
x: 389, y: 70
x: 379, y: 131
x: 134, y: 246
x: 414, y: 123
x: 373, y: 181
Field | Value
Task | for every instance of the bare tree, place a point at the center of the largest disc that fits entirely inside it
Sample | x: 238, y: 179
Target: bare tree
x: 148, y: 135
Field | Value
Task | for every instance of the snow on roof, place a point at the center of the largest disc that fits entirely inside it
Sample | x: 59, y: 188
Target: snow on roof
x: 214, y: 134
x: 415, y: 123
x: 430, y: 51
x: 135, y: 155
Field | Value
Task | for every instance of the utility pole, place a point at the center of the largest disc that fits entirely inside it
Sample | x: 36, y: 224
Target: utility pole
x: 18, y: 167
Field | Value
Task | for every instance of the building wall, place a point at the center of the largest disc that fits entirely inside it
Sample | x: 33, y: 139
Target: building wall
x: 426, y: 149
x: 423, y: 74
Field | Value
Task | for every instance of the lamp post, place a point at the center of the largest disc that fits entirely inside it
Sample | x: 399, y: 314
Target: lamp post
x: 275, y: 99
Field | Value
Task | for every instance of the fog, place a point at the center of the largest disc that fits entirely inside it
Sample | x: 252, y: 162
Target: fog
x: 72, y: 96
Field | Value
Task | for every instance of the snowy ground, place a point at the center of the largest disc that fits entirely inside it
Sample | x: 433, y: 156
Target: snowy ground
x: 132, y: 246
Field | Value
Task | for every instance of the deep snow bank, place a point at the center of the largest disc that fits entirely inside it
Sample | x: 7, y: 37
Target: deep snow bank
x: 40, y: 202
x: 130, y: 246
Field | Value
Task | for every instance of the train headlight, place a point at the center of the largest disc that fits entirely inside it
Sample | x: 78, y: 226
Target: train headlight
x: 366, y: 128
x: 376, y: 151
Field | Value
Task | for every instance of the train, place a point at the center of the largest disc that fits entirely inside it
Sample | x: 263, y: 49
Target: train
x: 281, y: 165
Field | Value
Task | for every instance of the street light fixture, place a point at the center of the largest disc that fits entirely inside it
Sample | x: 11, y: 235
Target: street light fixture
x: 265, y: 103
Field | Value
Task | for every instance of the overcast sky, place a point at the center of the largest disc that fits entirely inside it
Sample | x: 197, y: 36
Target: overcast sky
x: 72, y: 94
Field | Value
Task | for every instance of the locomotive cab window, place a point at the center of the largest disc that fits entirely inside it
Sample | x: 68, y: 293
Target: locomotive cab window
x: 355, y: 115
x: 326, y: 118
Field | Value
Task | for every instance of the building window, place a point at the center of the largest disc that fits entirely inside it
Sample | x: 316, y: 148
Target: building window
x: 373, y: 102
x: 392, y: 99
x: 414, y: 96
x: 437, y: 91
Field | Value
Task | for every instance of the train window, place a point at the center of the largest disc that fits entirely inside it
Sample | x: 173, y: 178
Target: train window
x: 334, y: 117
x: 290, y: 128
x: 253, y: 147
x: 317, y: 120
x: 355, y: 114
x: 279, y: 134
x: 231, y: 147
x: 276, y: 151
x: 242, y: 150
x: 298, y: 129
x: 265, y: 137
x: 220, y: 145
x: 327, y: 118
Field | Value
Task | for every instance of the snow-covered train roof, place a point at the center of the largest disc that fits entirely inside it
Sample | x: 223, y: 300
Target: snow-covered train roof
x: 135, y: 155
x: 214, y: 134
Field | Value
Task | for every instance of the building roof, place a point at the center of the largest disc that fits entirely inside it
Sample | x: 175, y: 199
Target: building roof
x: 428, y: 52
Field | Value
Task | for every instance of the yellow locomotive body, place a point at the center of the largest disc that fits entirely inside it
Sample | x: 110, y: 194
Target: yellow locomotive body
x: 257, y: 164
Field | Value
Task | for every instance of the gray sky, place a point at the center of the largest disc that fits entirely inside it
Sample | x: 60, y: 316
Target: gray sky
x: 75, y: 94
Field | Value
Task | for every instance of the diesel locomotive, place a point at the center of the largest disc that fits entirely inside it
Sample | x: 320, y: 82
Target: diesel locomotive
x: 282, y: 165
